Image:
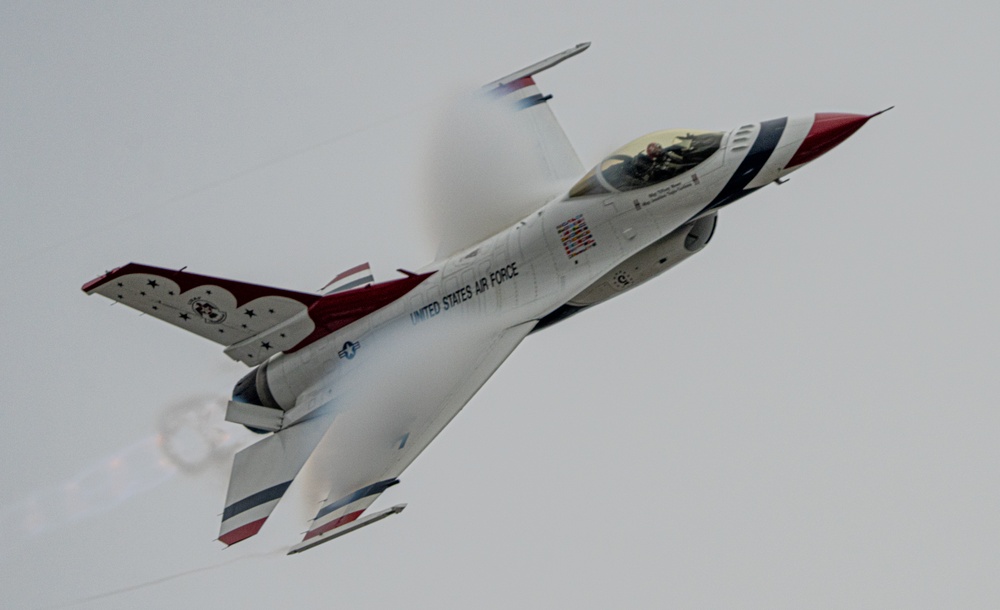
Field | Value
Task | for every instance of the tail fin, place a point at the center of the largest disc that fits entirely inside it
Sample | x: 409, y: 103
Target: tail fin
x: 254, y: 321
x: 220, y: 310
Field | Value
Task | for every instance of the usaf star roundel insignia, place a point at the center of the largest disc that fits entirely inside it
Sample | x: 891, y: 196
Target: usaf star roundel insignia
x: 350, y: 348
x: 208, y: 312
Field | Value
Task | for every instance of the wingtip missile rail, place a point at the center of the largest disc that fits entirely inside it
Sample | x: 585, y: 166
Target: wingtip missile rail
x: 337, y: 533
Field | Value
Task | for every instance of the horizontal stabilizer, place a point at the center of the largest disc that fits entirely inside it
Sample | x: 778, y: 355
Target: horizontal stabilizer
x: 262, y: 474
x: 355, y: 277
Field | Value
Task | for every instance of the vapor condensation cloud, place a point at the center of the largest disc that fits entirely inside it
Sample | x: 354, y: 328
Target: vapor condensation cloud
x: 482, y: 171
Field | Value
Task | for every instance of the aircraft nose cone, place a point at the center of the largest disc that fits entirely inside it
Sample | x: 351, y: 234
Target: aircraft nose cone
x: 828, y: 130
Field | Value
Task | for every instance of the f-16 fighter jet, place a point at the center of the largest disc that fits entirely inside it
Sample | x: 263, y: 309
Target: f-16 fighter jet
x: 351, y: 369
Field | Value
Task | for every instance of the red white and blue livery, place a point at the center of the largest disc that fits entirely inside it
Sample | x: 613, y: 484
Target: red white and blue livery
x: 345, y: 370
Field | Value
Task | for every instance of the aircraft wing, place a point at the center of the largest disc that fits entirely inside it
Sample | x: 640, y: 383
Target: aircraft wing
x: 531, y: 105
x: 370, y: 444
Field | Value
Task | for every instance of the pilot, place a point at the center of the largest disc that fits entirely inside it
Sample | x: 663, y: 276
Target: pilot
x: 642, y: 165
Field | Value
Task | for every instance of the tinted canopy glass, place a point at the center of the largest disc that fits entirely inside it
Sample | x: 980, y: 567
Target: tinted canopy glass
x: 651, y: 159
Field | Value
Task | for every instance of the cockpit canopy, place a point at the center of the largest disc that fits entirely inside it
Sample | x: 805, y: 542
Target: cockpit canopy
x: 649, y: 160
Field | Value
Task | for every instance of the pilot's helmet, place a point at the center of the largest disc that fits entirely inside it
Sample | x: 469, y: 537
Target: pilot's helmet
x: 654, y: 150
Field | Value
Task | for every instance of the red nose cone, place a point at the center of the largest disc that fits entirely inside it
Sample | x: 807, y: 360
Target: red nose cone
x: 828, y: 130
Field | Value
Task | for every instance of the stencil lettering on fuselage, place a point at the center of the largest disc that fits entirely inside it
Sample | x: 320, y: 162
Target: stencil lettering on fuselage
x: 454, y: 299
x: 666, y: 191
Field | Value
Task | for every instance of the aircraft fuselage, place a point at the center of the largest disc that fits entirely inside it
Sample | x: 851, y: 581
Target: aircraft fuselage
x: 574, y: 252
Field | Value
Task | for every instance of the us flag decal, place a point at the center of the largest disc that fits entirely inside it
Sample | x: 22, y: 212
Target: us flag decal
x: 575, y: 236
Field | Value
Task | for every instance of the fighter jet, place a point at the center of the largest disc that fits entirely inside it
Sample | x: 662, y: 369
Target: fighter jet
x: 372, y: 372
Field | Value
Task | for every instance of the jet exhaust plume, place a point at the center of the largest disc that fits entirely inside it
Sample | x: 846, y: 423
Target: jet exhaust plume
x: 192, y: 438
x: 96, y: 489
x: 194, y: 435
x: 483, y: 172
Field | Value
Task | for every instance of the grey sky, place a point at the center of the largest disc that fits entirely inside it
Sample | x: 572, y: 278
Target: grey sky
x: 803, y: 415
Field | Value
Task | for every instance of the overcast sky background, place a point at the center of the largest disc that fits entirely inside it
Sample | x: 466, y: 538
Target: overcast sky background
x: 803, y: 415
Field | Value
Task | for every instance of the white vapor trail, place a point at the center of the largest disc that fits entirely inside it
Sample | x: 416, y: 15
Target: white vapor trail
x: 163, y: 579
